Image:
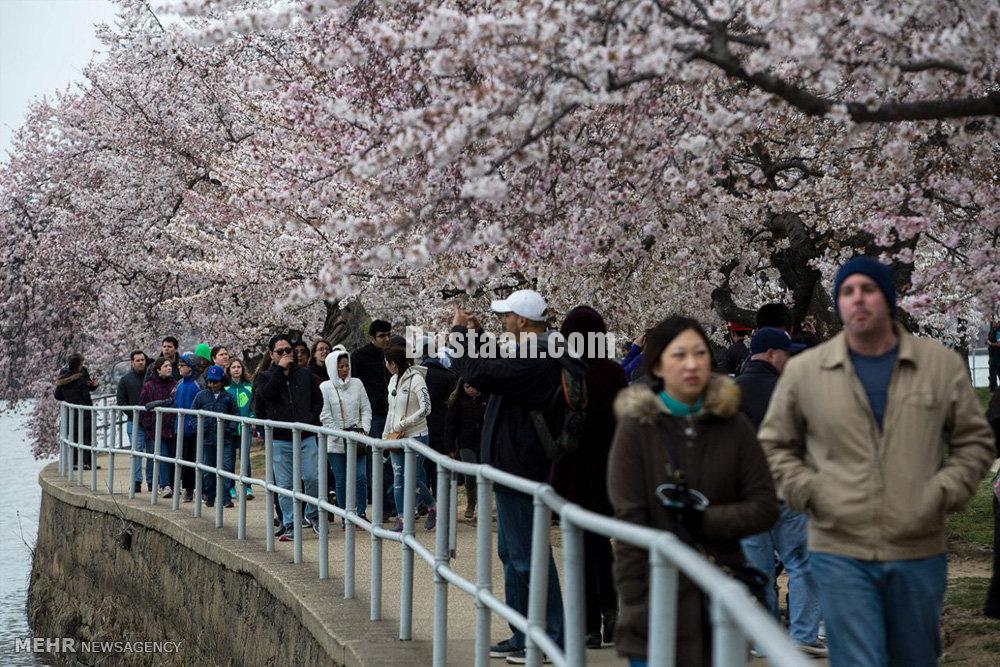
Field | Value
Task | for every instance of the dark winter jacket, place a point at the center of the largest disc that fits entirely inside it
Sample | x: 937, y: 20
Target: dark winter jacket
x: 129, y: 388
x: 736, y: 354
x: 183, y: 398
x: 290, y: 398
x: 756, y: 383
x: 222, y: 402
x: 368, y: 365
x: 581, y: 477
x: 440, y: 383
x: 74, y: 388
x: 155, y: 390
x: 464, y: 428
x: 516, y: 387
x: 723, y: 460
x: 319, y: 371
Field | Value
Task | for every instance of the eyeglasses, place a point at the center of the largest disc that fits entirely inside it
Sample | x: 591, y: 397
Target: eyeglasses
x: 282, y: 350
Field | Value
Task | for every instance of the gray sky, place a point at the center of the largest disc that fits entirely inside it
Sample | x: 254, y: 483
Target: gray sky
x: 44, y: 46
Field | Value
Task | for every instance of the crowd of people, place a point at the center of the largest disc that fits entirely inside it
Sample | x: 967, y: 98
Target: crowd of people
x: 835, y: 461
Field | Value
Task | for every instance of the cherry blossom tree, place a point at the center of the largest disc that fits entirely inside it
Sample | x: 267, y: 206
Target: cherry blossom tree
x: 235, y: 166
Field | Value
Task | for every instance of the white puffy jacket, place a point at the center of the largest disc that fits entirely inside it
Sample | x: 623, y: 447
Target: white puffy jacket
x: 409, y: 403
x: 345, y: 402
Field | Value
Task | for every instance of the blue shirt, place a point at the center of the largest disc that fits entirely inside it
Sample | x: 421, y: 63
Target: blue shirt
x: 875, y: 374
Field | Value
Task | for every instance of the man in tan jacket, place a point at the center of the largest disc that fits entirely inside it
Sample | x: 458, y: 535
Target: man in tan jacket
x: 876, y: 435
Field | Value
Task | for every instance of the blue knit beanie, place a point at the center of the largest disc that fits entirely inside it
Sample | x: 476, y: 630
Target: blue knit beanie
x: 874, y: 269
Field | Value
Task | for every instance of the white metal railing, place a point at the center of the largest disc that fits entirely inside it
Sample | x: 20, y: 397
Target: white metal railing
x: 735, y: 616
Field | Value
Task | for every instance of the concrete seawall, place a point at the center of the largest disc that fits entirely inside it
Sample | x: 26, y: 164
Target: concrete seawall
x: 106, y: 568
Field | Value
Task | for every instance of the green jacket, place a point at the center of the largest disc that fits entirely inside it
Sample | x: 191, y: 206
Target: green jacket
x: 242, y: 393
x: 871, y: 494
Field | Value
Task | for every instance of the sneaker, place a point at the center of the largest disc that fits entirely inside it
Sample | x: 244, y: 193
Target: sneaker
x: 286, y: 537
x: 315, y: 528
x: 398, y: 526
x: 431, y: 520
x: 470, y: 511
x: 188, y: 496
x: 228, y: 503
x: 817, y: 649
x: 422, y: 510
x: 279, y: 531
x: 594, y: 640
x: 211, y: 501
x: 168, y: 492
x: 521, y: 658
x: 137, y: 486
x: 249, y: 493
x: 503, y: 649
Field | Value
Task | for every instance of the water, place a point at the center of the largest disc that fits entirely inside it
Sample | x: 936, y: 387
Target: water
x: 20, y: 497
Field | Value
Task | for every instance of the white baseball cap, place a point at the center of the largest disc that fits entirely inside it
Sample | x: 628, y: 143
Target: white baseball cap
x: 527, y: 303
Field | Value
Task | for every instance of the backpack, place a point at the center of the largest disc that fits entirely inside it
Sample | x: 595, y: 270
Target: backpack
x: 568, y: 412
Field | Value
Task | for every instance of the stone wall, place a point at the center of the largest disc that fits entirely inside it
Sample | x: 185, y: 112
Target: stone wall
x: 97, y: 576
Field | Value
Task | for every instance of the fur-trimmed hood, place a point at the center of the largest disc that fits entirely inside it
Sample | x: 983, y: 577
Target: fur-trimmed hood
x: 639, y: 401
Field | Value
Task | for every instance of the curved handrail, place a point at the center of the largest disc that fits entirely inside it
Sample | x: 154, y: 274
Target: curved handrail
x: 735, y: 615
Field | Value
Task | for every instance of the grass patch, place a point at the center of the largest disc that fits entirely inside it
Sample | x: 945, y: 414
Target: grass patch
x: 983, y: 393
x: 974, y: 524
x: 966, y: 592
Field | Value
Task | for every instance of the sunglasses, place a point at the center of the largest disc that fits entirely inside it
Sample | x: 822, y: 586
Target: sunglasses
x: 283, y: 350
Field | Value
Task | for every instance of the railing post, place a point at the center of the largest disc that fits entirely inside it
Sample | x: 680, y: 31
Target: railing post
x: 453, y: 515
x: 241, y: 525
x: 199, y: 453
x: 484, y: 566
x: 728, y: 645
x: 538, y: 586
x: 220, y: 488
x: 61, y: 430
x: 111, y: 454
x: 132, y: 456
x: 441, y: 540
x: 178, y: 457
x: 406, y: 580
x: 662, y: 633
x: 81, y: 423
x: 296, y: 489
x: 93, y: 450
x: 154, y: 488
x: 323, y: 492
x: 268, y: 483
x: 573, y: 592
x: 375, y: 605
x: 350, y: 502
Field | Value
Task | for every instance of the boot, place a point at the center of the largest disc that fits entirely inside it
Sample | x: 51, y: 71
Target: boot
x: 470, y: 508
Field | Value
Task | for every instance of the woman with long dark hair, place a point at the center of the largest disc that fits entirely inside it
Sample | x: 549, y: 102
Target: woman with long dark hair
x: 684, y: 459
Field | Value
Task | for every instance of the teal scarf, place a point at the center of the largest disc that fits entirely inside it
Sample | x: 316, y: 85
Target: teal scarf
x: 678, y: 409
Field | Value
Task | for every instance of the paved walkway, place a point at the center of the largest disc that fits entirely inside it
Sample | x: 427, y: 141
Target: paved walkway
x: 461, y: 609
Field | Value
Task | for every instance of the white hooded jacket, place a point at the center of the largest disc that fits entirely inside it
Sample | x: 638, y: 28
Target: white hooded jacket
x: 409, y: 403
x: 345, y: 402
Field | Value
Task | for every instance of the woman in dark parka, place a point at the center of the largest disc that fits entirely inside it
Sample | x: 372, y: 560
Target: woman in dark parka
x: 683, y: 424
x: 582, y: 476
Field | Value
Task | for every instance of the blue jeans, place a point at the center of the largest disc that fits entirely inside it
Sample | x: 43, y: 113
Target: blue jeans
x: 423, y: 492
x: 166, y: 470
x: 339, y: 464
x: 514, y: 518
x: 788, y: 538
x: 208, y: 452
x: 881, y: 612
x: 137, y: 436
x: 282, y: 455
